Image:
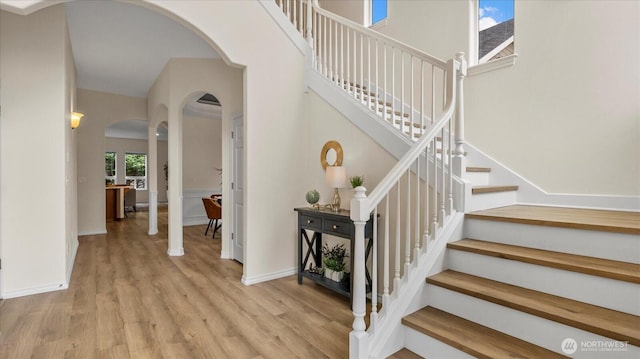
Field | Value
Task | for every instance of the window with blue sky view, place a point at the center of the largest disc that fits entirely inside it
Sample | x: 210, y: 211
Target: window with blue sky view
x: 493, y: 12
x: 378, y: 10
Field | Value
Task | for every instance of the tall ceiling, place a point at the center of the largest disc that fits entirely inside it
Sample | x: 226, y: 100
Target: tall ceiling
x: 122, y: 48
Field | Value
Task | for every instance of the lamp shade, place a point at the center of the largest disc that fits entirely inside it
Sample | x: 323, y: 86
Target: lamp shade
x: 336, y: 176
x: 75, y: 119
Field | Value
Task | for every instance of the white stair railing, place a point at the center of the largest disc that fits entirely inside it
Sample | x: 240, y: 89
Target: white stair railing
x: 421, y: 96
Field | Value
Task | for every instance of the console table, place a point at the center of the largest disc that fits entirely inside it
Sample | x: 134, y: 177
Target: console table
x: 339, y: 224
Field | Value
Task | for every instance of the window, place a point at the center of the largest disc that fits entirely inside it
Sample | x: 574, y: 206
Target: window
x: 135, y: 165
x: 378, y: 9
x: 110, y: 167
x: 495, y: 29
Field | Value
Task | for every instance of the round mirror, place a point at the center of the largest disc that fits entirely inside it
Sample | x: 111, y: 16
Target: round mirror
x: 331, y: 154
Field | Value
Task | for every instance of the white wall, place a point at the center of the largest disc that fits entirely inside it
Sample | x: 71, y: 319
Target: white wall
x: 566, y: 116
x: 101, y: 110
x: 35, y: 135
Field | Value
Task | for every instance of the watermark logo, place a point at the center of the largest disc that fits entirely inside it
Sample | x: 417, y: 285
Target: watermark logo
x: 569, y: 346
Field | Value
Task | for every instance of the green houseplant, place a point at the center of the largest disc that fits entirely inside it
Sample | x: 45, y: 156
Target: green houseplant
x: 333, y: 259
x: 356, y: 181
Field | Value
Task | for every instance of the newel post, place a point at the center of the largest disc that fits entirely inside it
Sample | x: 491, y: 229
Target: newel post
x: 459, y: 152
x: 309, y: 24
x: 358, y: 338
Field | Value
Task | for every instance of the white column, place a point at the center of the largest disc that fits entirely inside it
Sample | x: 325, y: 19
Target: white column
x: 152, y: 177
x: 175, y: 184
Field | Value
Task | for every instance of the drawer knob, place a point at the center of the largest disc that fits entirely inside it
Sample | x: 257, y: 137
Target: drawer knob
x: 335, y: 227
x: 309, y: 221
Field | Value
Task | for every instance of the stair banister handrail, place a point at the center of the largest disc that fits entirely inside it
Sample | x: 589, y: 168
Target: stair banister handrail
x: 365, y: 30
x: 362, y: 206
x: 398, y: 170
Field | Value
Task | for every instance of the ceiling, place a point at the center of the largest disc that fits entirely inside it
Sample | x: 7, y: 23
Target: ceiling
x: 122, y: 48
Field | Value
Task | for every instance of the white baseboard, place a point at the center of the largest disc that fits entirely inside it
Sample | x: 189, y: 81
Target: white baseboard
x: 529, y: 193
x: 269, y: 276
x: 34, y: 290
x: 92, y: 233
x: 176, y: 252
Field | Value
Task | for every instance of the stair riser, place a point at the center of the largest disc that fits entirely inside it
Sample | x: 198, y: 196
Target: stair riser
x: 428, y: 347
x: 536, y: 330
x: 491, y: 200
x: 614, y: 246
x: 610, y: 293
x: 478, y: 178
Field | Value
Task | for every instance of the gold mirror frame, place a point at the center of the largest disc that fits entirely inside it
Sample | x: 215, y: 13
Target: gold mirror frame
x: 331, y: 145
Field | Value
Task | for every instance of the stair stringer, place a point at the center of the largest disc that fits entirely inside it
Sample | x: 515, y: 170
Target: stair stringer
x: 365, y: 119
x: 529, y: 193
x: 389, y: 336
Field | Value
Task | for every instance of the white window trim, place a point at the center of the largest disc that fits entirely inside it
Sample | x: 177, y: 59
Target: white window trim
x: 493, y: 65
x: 146, y: 170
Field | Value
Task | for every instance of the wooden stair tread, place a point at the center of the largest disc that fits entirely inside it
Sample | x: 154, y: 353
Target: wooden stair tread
x: 473, y: 338
x: 478, y: 169
x: 404, y: 354
x: 577, y: 218
x: 628, y: 272
x: 606, y: 322
x: 492, y: 189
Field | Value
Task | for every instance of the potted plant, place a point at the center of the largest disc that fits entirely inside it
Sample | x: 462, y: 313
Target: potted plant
x: 334, y: 261
x: 356, y: 181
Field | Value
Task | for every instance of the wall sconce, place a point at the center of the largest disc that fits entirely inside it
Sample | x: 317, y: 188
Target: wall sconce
x: 75, y: 119
x: 336, y: 177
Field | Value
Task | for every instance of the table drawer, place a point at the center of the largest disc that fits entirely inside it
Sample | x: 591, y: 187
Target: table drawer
x: 310, y: 222
x: 337, y: 228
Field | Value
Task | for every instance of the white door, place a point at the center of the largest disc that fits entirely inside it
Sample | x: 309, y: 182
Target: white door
x: 237, y: 189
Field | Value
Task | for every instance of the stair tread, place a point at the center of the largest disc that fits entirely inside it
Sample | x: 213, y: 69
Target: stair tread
x: 577, y: 218
x: 473, y: 338
x: 478, y: 169
x: 606, y: 322
x: 492, y: 189
x: 404, y: 354
x: 628, y: 272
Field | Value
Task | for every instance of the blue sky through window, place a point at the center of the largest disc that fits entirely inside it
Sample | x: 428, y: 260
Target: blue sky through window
x: 492, y: 12
x: 378, y: 10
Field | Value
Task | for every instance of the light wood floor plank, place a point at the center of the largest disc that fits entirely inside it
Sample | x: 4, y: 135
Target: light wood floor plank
x: 128, y: 299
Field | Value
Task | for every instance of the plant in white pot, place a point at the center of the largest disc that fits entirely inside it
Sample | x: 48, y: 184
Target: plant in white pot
x: 334, y: 261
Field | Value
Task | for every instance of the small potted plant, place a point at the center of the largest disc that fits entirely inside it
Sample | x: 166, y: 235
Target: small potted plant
x: 356, y: 181
x: 334, y: 261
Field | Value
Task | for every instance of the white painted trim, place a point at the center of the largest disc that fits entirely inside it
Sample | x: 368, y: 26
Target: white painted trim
x: 193, y: 212
x: 366, y: 120
x: 35, y: 290
x: 406, y: 299
x: 292, y: 33
x: 176, y: 252
x: 497, y: 64
x: 225, y: 255
x: 269, y: 276
x: 92, y: 233
x: 73, y: 261
x: 529, y: 193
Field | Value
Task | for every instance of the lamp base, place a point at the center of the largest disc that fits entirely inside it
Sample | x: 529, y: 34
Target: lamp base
x: 335, y: 201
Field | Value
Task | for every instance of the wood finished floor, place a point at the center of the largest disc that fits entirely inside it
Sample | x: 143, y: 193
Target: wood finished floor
x: 128, y: 299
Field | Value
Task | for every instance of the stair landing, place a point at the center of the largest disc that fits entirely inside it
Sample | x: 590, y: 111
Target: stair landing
x: 576, y: 218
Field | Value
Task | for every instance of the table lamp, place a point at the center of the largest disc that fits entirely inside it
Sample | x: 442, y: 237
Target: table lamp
x: 336, y: 177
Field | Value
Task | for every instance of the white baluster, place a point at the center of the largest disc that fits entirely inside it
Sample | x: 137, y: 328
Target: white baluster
x: 402, y: 93
x: 374, y: 272
x: 443, y: 191
x: 426, y: 200
x: 396, y: 277
x: 407, y: 224
x: 411, y: 132
x: 417, y: 220
x: 385, y: 270
x: 330, y: 75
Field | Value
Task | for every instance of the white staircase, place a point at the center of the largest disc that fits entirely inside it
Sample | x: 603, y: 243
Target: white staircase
x: 496, y: 304
x: 541, y: 281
